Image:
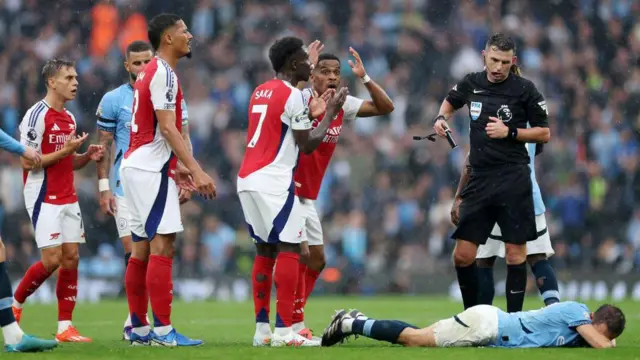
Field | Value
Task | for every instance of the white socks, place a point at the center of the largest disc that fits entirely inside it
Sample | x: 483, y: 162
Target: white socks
x: 16, y: 304
x: 142, y: 331
x: 263, y: 329
x: 297, y: 327
x: 162, y: 330
x: 63, y: 325
x: 283, y: 331
x: 12, y: 334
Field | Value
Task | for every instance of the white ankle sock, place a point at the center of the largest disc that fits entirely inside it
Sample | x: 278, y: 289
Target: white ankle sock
x: 63, y: 325
x: 162, y: 330
x: 12, y: 334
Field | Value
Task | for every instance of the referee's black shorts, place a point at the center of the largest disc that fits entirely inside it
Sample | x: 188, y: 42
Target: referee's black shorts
x: 503, y: 196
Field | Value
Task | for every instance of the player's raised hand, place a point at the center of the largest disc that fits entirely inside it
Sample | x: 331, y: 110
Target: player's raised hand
x: 73, y: 142
x: 34, y: 156
x: 205, y: 185
x: 356, y: 65
x: 108, y: 203
x: 95, y: 152
x: 338, y: 99
x: 317, y: 105
x: 313, y: 50
x: 496, y: 129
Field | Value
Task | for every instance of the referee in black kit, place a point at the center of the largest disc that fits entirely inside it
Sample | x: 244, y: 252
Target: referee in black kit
x: 501, y: 103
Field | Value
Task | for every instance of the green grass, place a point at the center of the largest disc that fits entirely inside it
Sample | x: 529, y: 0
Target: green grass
x: 227, y: 329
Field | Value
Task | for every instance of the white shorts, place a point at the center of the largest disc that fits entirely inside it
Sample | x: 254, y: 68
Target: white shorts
x: 476, y: 326
x: 154, y: 206
x: 272, y: 218
x: 123, y: 217
x: 312, y: 232
x: 55, y: 225
x: 541, y: 245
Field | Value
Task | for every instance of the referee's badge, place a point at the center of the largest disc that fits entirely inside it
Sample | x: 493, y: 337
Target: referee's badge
x: 475, y: 109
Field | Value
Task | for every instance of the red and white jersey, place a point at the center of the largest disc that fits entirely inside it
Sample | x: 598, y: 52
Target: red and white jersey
x: 156, y: 88
x: 312, y: 167
x: 275, y: 110
x: 46, y: 130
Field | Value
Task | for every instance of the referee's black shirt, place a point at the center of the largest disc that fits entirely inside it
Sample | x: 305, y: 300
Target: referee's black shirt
x: 515, y: 100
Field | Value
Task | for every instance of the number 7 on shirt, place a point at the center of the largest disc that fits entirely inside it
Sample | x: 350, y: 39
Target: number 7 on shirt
x: 262, y: 110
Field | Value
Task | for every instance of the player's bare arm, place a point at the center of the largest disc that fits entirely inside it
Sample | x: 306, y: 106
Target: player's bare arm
x: 167, y: 124
x: 380, y: 103
x: 446, y: 111
x: 107, y: 200
x: 309, y: 140
x: 593, y: 337
x: 70, y: 147
x: 94, y: 152
x: 185, y: 193
x: 464, y: 179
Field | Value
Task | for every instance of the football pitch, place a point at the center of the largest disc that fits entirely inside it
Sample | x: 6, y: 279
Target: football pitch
x: 227, y: 329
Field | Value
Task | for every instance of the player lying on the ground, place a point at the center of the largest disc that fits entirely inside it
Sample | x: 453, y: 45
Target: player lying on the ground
x: 564, y: 324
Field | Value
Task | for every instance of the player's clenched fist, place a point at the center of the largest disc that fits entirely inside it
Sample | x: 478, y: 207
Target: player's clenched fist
x: 205, y: 185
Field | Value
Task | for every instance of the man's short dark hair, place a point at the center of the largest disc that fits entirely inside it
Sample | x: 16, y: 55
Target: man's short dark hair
x: 52, y: 66
x: 158, y: 25
x: 138, y: 46
x: 612, y: 316
x: 282, y: 50
x: 502, y: 42
x: 328, y: 56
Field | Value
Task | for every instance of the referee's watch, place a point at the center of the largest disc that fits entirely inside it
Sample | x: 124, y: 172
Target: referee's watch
x: 513, y: 133
x: 439, y: 117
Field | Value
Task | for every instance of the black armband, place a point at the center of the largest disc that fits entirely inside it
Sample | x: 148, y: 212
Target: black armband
x: 513, y: 132
x: 438, y: 118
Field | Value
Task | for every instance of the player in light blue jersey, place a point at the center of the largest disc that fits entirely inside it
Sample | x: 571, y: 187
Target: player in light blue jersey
x: 564, y: 324
x: 114, y: 125
x: 538, y: 252
x: 15, y: 340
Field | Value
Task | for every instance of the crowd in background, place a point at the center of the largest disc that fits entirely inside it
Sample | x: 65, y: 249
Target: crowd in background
x: 385, y: 200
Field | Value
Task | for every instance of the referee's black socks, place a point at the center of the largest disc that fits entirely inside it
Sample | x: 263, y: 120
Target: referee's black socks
x: 468, y: 282
x: 516, y: 286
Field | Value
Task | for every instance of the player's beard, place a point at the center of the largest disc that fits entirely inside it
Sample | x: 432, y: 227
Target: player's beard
x: 133, y: 76
x: 189, y: 54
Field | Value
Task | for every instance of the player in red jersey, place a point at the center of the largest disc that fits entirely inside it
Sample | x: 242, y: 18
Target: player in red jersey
x: 150, y: 176
x: 279, y: 126
x: 49, y: 194
x: 312, y: 167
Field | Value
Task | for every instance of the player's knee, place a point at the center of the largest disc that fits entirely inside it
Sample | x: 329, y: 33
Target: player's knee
x: 52, y: 258
x: 140, y: 250
x: 287, y: 247
x: 267, y: 250
x: 70, y: 258
x: 463, y: 257
x: 515, y: 254
x: 317, y: 260
x: 534, y: 258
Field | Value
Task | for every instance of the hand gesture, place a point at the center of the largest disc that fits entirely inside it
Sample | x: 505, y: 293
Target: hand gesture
x: 73, y: 142
x: 317, y: 105
x: 34, y: 156
x: 108, y: 203
x: 184, y: 180
x: 204, y: 185
x: 338, y: 99
x: 95, y: 152
x: 356, y: 66
x: 455, y: 211
x: 441, y: 127
x: 313, y: 50
x: 184, y: 195
x: 496, y: 129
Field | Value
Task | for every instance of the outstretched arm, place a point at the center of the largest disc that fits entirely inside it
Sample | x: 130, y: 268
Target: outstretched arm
x: 380, y: 103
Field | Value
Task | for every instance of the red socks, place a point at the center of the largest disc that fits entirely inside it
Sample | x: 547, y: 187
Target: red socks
x: 66, y: 291
x: 35, y: 276
x: 286, y: 277
x: 298, y: 308
x: 311, y: 276
x: 262, y: 278
x: 135, y: 282
x: 160, y: 287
